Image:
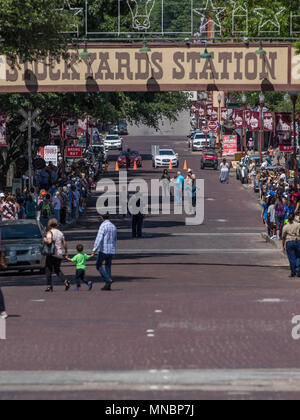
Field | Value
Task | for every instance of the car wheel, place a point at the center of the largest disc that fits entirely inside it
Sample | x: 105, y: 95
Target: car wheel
x: 237, y: 176
x: 202, y: 167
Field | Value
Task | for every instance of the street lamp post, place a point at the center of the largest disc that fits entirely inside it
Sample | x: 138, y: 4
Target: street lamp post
x: 244, y: 139
x: 294, y: 98
x: 201, y: 96
x: 261, y: 103
x: 205, y: 97
x: 219, y: 128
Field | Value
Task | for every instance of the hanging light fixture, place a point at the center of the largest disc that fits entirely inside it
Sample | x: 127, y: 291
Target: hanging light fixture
x: 260, y: 50
x: 206, y: 55
x: 145, y: 48
x: 85, y: 55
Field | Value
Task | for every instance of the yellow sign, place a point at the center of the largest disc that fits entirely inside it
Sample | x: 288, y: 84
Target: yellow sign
x: 178, y: 67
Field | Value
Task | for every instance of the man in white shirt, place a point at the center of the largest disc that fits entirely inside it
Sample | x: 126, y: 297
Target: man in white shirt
x: 106, y: 243
x: 264, y: 165
x: 57, y: 207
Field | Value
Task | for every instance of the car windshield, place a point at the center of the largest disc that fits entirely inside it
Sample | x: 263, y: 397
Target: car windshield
x: 112, y: 138
x: 200, y: 137
x: 96, y: 142
x: 166, y: 152
x: 20, y: 232
x: 133, y: 153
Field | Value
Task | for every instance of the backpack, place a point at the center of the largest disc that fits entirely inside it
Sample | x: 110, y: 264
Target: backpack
x: 46, y: 210
x: 280, y: 210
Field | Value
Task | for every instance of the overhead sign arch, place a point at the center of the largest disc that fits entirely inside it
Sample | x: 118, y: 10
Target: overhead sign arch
x: 176, y: 67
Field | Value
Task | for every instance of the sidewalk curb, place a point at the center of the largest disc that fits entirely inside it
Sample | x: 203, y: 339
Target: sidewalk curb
x: 276, y: 244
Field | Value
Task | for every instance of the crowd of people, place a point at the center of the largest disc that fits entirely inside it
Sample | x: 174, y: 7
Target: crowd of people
x: 278, y: 192
x: 280, y: 201
x: 57, y: 198
x: 54, y: 194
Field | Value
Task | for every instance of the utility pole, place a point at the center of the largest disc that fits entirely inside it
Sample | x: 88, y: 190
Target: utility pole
x: 28, y: 124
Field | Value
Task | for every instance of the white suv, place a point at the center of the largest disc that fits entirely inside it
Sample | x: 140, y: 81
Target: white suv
x: 113, y: 142
x: 164, y: 157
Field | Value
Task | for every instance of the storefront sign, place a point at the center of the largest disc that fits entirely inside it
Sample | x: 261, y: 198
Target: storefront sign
x: 51, y: 155
x: 229, y: 145
x: 286, y: 149
x: 73, y: 152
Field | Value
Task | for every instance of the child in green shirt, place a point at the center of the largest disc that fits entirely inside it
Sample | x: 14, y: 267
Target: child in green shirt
x: 80, y: 259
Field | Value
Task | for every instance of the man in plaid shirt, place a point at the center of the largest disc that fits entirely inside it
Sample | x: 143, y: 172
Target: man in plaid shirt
x: 106, y: 243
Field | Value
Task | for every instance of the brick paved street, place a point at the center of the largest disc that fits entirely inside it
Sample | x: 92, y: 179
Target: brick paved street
x: 184, y: 299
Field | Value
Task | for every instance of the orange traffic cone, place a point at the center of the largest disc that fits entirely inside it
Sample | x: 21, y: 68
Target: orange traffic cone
x: 117, y: 167
x: 185, y: 168
x: 135, y: 166
x: 170, y: 166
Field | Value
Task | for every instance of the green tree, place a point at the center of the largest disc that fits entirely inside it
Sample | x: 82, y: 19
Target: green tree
x: 31, y: 28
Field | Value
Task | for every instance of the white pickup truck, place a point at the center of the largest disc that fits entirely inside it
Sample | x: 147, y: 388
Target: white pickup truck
x: 161, y: 158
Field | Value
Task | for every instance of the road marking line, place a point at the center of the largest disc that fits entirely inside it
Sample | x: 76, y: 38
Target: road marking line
x: 198, y: 251
x: 217, y: 380
x: 246, y: 235
x: 271, y: 300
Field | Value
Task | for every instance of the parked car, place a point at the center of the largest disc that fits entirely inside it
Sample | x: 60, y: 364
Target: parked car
x: 134, y: 157
x: 123, y: 127
x: 164, y: 157
x: 192, y: 135
x: 113, y: 142
x: 209, y: 159
x: 22, y: 241
x: 200, y: 142
x: 242, y: 169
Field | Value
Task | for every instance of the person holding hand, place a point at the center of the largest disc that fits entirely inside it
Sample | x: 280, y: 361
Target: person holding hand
x: 80, y: 259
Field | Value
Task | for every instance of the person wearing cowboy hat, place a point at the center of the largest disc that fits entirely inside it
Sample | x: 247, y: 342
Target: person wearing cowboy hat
x: 191, y: 178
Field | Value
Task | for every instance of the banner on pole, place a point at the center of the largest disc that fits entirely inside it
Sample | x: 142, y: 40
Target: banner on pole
x: 283, y: 125
x: 55, y: 131
x: 3, y: 133
x: 71, y: 129
x: 252, y: 121
x: 237, y: 118
x: 209, y: 110
x: 224, y: 114
x: 82, y: 126
x: 268, y: 120
x: 214, y: 114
